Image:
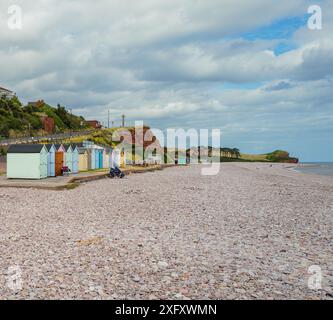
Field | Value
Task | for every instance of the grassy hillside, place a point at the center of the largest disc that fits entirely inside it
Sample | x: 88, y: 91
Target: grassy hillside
x: 101, y: 137
x: 104, y: 137
x: 254, y: 157
x: 276, y: 156
x: 17, y: 120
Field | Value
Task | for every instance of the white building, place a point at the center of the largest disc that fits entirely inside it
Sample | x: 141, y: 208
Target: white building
x: 7, y: 93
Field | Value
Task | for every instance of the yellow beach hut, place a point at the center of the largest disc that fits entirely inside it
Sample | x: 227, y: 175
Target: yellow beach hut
x: 83, y: 159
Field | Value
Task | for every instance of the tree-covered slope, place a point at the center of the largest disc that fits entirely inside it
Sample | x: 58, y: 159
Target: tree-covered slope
x: 16, y: 119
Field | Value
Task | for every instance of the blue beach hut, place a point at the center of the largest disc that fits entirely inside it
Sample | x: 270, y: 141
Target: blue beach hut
x: 96, y: 159
x: 51, y: 149
x: 100, y: 158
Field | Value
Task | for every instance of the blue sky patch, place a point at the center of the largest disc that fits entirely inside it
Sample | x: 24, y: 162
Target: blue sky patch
x: 284, y: 47
x: 282, y: 29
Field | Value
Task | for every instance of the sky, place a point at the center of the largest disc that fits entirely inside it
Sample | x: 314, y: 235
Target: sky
x: 251, y: 68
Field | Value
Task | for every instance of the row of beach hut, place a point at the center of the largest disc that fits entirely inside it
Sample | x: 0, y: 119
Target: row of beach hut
x: 38, y: 161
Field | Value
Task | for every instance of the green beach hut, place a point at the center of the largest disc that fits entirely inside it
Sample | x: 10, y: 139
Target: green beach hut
x: 69, y: 157
x: 27, y: 161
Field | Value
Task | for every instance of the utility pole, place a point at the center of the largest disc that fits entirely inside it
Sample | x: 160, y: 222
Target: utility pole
x: 123, y: 120
x: 70, y: 122
x: 70, y: 127
x: 109, y: 119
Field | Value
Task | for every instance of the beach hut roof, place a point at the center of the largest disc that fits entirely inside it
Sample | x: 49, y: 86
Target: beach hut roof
x: 74, y: 146
x: 67, y: 147
x: 49, y: 146
x: 82, y: 150
x: 25, y: 148
x: 57, y: 146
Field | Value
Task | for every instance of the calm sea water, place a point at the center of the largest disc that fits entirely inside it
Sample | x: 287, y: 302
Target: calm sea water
x: 323, y: 168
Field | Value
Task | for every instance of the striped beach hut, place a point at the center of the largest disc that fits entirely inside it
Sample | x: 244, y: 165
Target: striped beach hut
x: 69, y: 157
x: 51, y: 159
x: 75, y: 159
x: 27, y: 161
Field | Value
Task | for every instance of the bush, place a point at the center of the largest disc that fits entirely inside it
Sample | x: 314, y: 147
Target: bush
x: 17, y: 119
x: 278, y: 155
x: 34, y: 121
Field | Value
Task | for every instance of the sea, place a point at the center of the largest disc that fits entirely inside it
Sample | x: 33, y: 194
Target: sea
x: 322, y: 168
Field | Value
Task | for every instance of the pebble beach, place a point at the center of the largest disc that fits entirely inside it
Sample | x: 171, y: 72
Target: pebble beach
x: 250, y: 232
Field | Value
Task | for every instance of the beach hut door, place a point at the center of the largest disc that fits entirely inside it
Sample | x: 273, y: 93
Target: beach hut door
x: 59, y: 158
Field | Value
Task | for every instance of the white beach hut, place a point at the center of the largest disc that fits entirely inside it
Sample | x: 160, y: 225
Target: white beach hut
x: 27, y: 161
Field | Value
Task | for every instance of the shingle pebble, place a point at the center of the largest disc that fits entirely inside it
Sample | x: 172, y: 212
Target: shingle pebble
x: 246, y: 233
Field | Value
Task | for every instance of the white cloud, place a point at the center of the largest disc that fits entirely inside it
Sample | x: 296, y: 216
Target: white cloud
x: 167, y: 62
